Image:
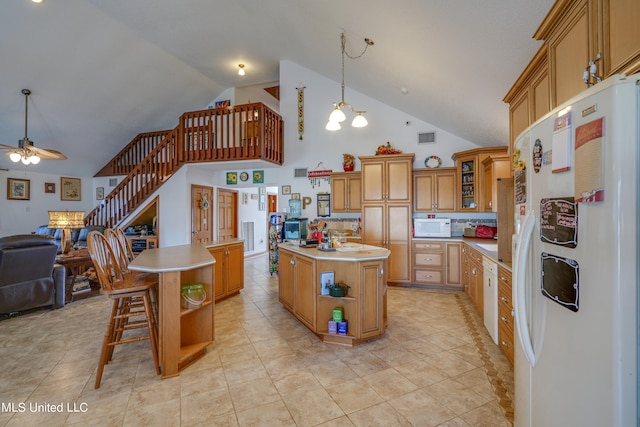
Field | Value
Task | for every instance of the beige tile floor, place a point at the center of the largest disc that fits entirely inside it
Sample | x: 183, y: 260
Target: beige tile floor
x: 435, y: 366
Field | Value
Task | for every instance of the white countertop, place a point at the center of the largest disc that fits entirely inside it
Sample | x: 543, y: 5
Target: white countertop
x: 349, y: 252
x: 219, y: 243
x: 172, y: 258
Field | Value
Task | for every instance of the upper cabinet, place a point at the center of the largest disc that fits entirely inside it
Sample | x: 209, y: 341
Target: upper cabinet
x: 345, y: 192
x: 471, y: 187
x: 434, y: 190
x: 387, y: 178
x: 621, y: 36
x: 574, y: 33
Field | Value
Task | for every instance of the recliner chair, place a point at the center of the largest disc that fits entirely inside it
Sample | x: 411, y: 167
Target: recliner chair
x: 29, y: 277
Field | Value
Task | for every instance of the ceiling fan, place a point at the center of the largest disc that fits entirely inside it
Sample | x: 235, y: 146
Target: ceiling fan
x: 26, y: 151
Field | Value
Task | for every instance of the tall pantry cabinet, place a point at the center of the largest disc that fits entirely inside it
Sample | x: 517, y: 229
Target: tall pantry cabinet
x: 387, y: 209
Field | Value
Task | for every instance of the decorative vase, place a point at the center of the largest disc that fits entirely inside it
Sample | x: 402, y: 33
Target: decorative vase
x: 347, y: 167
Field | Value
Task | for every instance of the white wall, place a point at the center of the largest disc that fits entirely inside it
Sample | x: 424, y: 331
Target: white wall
x: 319, y: 145
x: 24, y: 216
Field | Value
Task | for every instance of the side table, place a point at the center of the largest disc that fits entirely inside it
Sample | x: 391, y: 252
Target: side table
x: 76, y: 265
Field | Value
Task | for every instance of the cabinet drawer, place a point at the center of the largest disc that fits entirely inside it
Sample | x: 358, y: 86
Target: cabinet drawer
x: 429, y: 259
x: 504, y: 296
x: 429, y: 246
x: 505, y: 341
x: 505, y: 319
x: 428, y: 276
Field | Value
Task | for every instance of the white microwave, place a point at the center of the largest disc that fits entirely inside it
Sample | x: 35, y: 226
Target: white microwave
x: 432, y: 227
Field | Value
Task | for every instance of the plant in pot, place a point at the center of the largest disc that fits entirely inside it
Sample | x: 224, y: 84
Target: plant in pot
x: 348, y: 162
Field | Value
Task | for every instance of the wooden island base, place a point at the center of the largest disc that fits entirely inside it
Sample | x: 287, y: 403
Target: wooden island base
x: 361, y: 267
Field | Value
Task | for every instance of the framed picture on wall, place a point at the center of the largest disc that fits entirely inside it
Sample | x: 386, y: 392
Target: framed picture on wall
x: 295, y: 195
x: 324, y: 204
x: 70, y: 189
x: 286, y: 189
x: 49, y: 187
x: 99, y: 193
x: 18, y: 189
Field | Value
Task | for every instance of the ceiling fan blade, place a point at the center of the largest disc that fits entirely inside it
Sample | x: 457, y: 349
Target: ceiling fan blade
x: 47, y: 153
x: 7, y: 147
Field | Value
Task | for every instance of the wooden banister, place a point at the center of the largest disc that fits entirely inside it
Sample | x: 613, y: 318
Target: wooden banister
x: 133, y: 153
x: 242, y: 132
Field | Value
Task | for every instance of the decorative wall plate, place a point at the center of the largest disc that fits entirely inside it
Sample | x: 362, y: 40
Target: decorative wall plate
x: 244, y: 176
x: 433, y: 162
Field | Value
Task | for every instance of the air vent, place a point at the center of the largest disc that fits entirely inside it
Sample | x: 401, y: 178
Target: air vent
x: 426, y: 137
x: 300, y: 173
x: 113, y: 182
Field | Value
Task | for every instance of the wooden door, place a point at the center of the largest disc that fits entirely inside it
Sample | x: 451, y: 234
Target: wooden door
x: 235, y: 268
x: 304, y: 296
x: 373, y: 189
x: 272, y: 202
x: 227, y: 213
x: 423, y: 199
x: 201, y: 214
x: 354, y: 193
x: 398, y: 236
x: 285, y: 279
x: 220, y: 276
x: 445, y: 191
x: 398, y: 179
x: 339, y: 192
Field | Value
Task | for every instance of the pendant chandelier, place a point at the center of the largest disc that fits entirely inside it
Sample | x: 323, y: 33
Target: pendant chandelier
x: 337, y: 115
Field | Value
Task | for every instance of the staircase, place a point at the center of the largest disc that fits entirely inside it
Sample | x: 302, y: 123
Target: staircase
x: 242, y: 132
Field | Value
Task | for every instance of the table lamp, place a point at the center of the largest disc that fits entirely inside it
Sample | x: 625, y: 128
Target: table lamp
x: 66, y: 220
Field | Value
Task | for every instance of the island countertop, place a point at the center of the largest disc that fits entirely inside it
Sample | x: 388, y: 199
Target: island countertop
x: 349, y: 252
x: 172, y: 258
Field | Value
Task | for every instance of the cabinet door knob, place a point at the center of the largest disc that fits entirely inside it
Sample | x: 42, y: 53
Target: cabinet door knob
x: 505, y: 300
x: 504, y: 343
x: 504, y: 319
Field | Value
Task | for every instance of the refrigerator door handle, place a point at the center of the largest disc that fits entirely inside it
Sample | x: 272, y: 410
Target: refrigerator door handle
x: 523, y: 246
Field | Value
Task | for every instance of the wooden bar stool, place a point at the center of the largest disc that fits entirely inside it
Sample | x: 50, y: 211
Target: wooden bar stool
x: 131, y: 306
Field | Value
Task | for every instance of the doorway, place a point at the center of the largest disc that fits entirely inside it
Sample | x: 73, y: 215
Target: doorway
x: 201, y: 214
x: 272, y: 202
x: 227, y: 214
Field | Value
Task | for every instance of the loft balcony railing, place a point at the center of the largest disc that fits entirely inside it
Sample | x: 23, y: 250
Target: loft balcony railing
x: 242, y: 132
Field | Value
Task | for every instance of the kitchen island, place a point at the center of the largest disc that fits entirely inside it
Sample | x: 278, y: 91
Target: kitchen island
x: 183, y: 333
x: 361, y: 267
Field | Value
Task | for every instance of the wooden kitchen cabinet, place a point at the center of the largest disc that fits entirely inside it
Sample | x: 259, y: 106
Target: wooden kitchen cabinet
x: 389, y: 226
x: 574, y: 32
x: 473, y: 277
x: 437, y: 264
x: 621, y: 36
x: 505, y: 310
x: 345, y: 192
x: 434, y: 190
x: 571, y: 40
x: 387, y: 192
x: 470, y: 188
x: 387, y: 178
x: 495, y: 167
x: 297, y: 286
x: 229, y: 269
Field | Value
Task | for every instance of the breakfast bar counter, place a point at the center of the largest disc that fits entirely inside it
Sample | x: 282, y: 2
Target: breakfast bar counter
x: 303, y: 290
x: 183, y: 333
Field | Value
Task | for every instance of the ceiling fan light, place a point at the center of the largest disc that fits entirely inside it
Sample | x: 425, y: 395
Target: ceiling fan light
x: 359, y: 121
x: 26, y: 160
x: 332, y: 125
x: 34, y: 159
x: 15, y: 157
x: 337, y: 116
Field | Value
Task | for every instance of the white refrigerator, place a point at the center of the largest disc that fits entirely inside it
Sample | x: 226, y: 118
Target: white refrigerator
x: 575, y: 270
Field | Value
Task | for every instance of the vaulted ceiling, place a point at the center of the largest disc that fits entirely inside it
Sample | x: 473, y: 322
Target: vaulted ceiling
x: 101, y: 71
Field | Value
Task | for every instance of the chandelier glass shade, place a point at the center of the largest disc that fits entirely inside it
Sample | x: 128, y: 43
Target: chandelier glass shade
x: 337, y: 115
